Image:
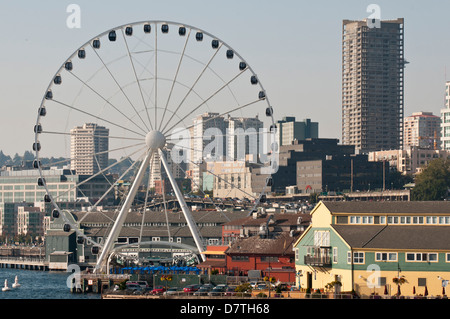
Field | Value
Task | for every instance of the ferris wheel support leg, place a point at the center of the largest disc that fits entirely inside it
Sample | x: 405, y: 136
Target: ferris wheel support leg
x: 184, y: 207
x: 123, y: 213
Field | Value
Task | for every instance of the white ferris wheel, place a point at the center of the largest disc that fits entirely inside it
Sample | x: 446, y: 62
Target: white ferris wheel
x: 144, y: 94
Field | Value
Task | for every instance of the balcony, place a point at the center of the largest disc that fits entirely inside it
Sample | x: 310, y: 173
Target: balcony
x: 320, y: 258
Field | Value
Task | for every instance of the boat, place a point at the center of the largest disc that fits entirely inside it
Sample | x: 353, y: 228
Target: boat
x: 6, y: 288
x: 16, y: 283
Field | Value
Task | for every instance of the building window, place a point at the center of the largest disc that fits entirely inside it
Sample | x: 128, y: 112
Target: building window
x: 358, y: 257
x: 421, y: 282
x: 385, y: 256
x: 156, y: 238
x: 297, y: 254
x: 239, y: 258
x: 269, y: 259
x: 447, y: 257
x: 335, y: 255
x: 321, y: 238
x: 426, y: 257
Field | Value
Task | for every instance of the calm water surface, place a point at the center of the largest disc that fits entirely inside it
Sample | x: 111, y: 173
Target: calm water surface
x: 38, y: 285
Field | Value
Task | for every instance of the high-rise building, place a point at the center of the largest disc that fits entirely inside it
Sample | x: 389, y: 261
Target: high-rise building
x: 372, y: 84
x: 445, y: 120
x: 422, y: 129
x: 89, y: 148
x: 289, y: 130
x: 215, y: 137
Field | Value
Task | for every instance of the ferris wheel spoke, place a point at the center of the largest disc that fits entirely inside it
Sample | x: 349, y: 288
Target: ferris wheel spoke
x: 137, y: 79
x: 101, y: 172
x: 193, y: 85
x: 227, y: 182
x: 91, y: 135
x: 156, y: 75
x: 88, y: 155
x: 113, y: 185
x: 95, y: 116
x: 222, y: 114
x: 120, y: 87
x: 205, y: 101
x: 107, y: 101
x: 201, y: 190
x: 175, y: 77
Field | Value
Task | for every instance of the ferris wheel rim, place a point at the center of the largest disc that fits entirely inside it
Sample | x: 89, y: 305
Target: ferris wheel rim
x: 105, y: 33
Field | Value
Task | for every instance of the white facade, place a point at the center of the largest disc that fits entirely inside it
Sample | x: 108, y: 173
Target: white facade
x: 422, y: 129
x: 410, y: 160
x: 445, y: 120
x: 218, y: 138
x: 89, y: 148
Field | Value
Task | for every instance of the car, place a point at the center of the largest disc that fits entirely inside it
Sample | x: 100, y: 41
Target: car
x: 219, y: 290
x: 209, y: 286
x: 173, y: 291
x: 191, y: 288
x: 158, y: 290
x: 203, y: 291
x: 142, y: 284
x: 262, y: 286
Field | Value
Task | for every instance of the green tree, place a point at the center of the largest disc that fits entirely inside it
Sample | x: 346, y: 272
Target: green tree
x: 434, y: 181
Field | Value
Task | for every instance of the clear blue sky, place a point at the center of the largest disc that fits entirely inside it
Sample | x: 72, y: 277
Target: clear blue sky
x: 293, y: 45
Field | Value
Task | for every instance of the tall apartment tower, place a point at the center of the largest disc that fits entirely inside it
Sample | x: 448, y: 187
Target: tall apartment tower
x: 88, y: 148
x: 422, y: 129
x: 372, y: 84
x: 445, y: 120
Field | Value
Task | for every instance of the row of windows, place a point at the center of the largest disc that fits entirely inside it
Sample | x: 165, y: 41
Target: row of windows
x: 264, y: 259
x: 419, y: 220
x: 359, y: 257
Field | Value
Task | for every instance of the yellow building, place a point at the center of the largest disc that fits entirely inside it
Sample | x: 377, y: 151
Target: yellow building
x: 364, y: 246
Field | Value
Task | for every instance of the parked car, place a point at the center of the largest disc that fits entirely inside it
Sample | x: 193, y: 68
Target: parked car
x: 158, y: 290
x: 209, y: 286
x: 173, y: 291
x: 133, y: 287
x: 262, y: 286
x: 191, y: 288
x: 219, y: 290
x: 203, y: 291
x: 142, y: 284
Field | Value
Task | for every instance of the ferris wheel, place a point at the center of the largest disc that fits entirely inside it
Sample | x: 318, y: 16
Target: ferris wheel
x: 139, y: 100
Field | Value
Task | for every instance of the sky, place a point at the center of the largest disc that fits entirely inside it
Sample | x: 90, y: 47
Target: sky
x: 293, y: 45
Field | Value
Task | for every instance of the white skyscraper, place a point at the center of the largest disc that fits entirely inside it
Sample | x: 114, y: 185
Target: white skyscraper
x: 89, y: 148
x: 445, y: 120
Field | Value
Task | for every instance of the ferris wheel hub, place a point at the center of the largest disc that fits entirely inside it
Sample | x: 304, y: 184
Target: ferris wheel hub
x: 155, y: 140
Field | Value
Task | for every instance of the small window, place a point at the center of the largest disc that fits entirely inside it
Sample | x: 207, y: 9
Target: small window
x: 421, y: 282
x: 358, y: 258
x: 335, y: 255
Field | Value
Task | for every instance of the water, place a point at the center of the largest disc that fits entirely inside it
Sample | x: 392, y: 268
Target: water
x: 38, y: 285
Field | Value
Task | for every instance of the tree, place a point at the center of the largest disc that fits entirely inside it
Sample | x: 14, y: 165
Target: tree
x: 434, y: 181
x: 397, y: 180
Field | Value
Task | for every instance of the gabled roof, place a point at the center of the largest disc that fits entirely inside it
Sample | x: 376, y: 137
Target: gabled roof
x: 395, y: 237
x: 395, y: 207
